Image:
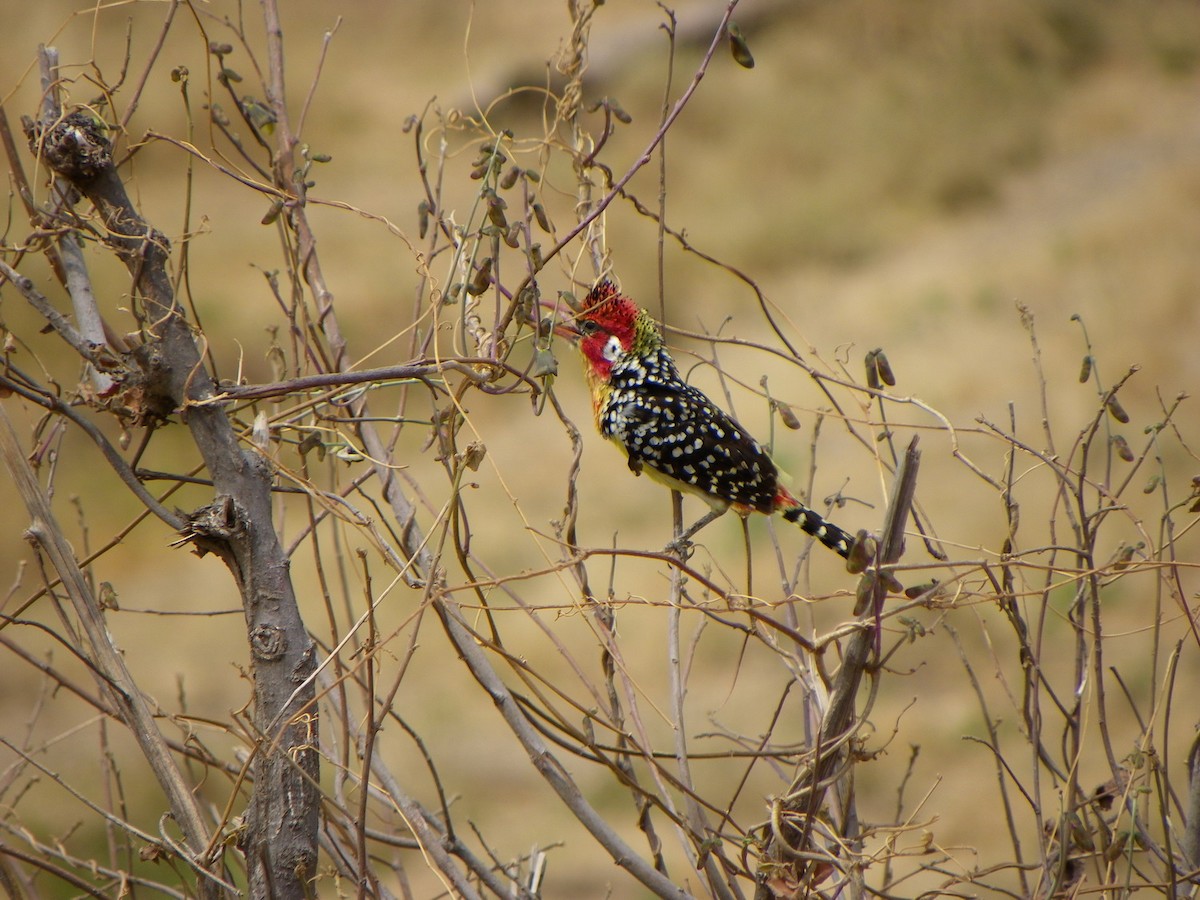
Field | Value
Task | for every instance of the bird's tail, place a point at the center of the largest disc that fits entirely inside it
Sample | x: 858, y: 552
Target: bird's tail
x: 826, y: 532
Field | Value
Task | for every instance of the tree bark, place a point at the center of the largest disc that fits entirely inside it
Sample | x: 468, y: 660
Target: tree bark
x: 280, y: 841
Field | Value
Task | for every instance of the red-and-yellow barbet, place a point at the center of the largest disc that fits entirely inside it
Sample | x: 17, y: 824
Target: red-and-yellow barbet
x: 672, y: 431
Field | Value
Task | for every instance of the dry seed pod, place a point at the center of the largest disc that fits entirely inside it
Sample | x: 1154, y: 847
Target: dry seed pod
x: 1116, y: 410
x: 489, y: 152
x: 535, y: 254
x: 482, y: 278
x: 512, y: 236
x: 1085, y: 369
x: 862, y: 551
x: 510, y: 178
x: 496, y: 215
x: 539, y: 213
x: 739, y: 48
x: 527, y: 300
x: 423, y: 218
x: 886, y: 375
x: 872, y: 371
x: 311, y: 442
x: 1122, y: 447
x: 912, y: 593
x: 788, y: 417
x: 1152, y: 484
x: 272, y: 213
x: 1124, y: 559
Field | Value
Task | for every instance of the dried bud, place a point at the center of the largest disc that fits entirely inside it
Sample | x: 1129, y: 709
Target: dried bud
x: 260, y: 433
x: 1152, y: 484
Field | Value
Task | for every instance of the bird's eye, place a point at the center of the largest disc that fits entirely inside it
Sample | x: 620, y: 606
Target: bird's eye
x: 587, y: 326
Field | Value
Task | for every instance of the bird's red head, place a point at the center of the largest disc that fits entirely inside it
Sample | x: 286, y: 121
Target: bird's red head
x: 607, y: 329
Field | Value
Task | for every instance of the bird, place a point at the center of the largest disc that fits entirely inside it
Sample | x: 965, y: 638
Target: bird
x: 671, y: 430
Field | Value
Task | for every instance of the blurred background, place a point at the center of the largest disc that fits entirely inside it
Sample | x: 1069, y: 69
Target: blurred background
x: 907, y: 176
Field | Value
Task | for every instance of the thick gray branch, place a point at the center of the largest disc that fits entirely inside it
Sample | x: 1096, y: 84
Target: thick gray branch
x: 281, y: 835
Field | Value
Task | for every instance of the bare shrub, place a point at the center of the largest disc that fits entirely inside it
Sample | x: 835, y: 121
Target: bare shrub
x: 466, y: 671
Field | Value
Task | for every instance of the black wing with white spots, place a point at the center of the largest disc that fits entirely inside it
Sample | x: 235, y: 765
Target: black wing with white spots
x: 673, y: 428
